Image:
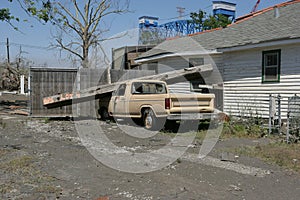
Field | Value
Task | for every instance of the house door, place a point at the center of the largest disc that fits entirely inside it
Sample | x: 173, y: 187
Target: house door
x: 119, y: 101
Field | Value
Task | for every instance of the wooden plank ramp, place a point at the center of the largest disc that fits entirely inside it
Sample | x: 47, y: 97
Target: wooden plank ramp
x: 97, y: 92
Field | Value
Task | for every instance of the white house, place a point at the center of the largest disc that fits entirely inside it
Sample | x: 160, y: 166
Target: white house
x: 256, y: 56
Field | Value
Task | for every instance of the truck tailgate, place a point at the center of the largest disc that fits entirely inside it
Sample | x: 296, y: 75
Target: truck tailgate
x: 192, y: 103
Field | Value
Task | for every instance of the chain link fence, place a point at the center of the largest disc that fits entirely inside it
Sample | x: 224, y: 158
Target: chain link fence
x: 293, y: 119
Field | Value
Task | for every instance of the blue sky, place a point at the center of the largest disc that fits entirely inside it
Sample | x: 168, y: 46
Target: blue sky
x: 34, y: 36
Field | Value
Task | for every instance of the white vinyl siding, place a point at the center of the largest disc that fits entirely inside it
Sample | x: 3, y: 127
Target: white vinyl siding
x: 244, y: 92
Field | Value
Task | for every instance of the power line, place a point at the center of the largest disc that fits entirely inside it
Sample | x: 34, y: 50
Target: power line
x: 26, y: 45
x: 167, y: 19
x: 30, y: 46
x: 173, y: 17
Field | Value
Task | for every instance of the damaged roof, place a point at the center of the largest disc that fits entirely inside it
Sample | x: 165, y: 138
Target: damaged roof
x: 279, y: 22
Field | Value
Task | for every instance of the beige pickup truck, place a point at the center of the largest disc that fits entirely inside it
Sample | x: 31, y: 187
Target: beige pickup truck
x: 151, y: 101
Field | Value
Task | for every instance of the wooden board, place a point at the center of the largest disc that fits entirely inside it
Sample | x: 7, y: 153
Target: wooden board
x: 97, y: 92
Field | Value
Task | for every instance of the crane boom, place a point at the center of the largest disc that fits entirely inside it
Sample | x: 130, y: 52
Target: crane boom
x: 255, y: 7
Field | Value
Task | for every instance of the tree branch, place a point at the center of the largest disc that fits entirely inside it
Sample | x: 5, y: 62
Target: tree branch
x: 70, y: 15
x: 69, y: 49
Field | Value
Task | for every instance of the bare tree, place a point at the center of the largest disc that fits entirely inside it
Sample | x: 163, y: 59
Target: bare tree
x: 81, y: 24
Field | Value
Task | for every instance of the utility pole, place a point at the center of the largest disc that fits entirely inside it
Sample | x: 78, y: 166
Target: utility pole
x: 7, y: 49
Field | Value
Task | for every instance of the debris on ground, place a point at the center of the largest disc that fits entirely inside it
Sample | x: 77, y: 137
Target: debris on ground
x: 228, y: 157
x: 234, y: 187
x: 14, y: 104
x: 19, y: 112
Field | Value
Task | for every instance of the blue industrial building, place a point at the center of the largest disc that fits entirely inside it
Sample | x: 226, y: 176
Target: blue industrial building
x: 151, y: 32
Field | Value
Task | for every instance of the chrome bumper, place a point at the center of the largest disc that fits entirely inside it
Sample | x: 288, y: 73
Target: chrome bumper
x: 192, y: 116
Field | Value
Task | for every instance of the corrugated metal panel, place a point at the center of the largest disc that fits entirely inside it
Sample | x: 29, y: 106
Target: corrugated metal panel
x: 90, y: 78
x: 46, y: 82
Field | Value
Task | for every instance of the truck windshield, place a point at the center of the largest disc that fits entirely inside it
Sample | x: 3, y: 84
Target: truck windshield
x: 148, y: 88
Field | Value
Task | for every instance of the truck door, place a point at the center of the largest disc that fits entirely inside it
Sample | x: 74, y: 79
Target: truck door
x: 119, y: 100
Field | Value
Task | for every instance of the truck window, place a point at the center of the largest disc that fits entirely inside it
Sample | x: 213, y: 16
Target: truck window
x: 121, y: 90
x: 148, y: 88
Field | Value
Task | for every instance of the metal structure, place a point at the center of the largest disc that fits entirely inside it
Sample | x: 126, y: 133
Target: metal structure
x: 179, y: 28
x: 148, y: 30
x: 274, y: 114
x: 123, y: 57
x: 151, y: 33
x: 180, y: 11
x: 293, y: 119
x: 224, y: 8
x: 50, y: 81
x: 255, y: 6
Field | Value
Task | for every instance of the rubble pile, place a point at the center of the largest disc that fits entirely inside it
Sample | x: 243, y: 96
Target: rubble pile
x: 13, y: 104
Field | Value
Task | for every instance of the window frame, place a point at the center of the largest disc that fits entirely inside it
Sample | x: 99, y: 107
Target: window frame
x: 133, y: 89
x: 263, y: 75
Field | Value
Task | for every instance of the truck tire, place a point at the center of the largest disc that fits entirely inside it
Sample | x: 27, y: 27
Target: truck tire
x: 149, y: 119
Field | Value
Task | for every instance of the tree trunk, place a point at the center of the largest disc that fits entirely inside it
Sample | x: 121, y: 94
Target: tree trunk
x: 85, y: 61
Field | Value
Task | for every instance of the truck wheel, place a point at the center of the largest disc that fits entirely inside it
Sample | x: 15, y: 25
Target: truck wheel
x: 104, y: 113
x: 149, y: 119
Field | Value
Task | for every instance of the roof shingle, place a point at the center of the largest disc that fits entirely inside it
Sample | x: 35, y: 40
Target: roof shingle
x: 275, y: 23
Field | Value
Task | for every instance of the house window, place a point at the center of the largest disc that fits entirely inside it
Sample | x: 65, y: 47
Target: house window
x: 193, y: 62
x: 271, y: 66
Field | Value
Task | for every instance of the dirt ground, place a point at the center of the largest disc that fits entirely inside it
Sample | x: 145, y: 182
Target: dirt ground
x: 45, y: 159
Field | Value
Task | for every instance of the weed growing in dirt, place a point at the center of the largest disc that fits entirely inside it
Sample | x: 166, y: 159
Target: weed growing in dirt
x: 200, y: 135
x: 249, y: 128
x: 23, y: 170
x: 280, y: 153
x: 3, y: 152
x: 22, y: 164
x: 6, y: 188
x: 2, y: 123
x: 47, y: 120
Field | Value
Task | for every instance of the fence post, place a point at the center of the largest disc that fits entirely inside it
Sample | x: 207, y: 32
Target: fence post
x: 29, y: 84
x: 270, y: 113
x: 22, y: 83
x: 279, y: 113
x: 288, y: 123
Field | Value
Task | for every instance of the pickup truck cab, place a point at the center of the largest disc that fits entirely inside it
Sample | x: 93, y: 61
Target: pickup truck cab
x: 151, y: 101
